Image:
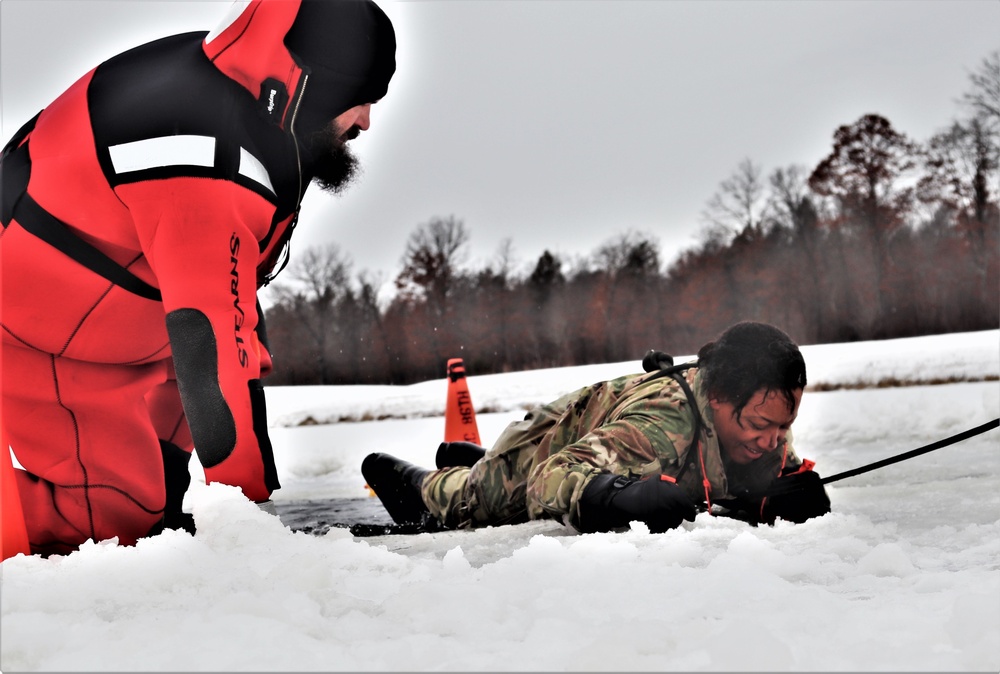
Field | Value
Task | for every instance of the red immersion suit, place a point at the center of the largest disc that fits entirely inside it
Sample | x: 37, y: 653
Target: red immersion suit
x: 142, y: 210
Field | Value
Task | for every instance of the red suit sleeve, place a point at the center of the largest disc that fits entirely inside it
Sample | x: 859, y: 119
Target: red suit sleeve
x: 200, y: 237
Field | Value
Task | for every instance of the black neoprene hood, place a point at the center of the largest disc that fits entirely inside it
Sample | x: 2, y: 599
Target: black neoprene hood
x: 349, y: 49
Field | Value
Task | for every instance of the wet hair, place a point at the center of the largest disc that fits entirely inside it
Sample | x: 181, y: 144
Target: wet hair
x: 748, y: 357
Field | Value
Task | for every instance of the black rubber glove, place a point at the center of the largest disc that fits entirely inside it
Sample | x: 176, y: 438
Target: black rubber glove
x: 612, y: 501
x: 796, y: 498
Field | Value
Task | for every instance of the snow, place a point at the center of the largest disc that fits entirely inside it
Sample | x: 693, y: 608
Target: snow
x: 904, y: 574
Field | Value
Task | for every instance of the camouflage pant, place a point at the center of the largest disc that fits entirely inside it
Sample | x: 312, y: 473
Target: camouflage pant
x: 493, y: 491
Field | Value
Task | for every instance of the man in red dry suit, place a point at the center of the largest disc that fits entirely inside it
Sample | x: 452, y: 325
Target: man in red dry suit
x: 141, y: 210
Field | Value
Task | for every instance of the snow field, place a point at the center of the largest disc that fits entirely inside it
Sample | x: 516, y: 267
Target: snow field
x: 902, y: 575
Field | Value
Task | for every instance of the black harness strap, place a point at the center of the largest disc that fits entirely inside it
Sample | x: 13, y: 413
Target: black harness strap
x: 17, y: 205
x: 36, y: 220
x: 674, y: 372
x: 15, y: 169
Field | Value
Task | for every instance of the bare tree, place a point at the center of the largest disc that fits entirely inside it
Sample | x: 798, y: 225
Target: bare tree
x: 430, y: 277
x: 484, y: 311
x: 740, y: 205
x: 960, y: 163
x: 322, y: 275
x: 381, y: 349
x: 735, y: 216
x: 505, y: 259
x: 864, y: 173
x: 629, y: 253
x: 323, y: 272
x: 792, y: 207
x: 960, y: 166
x: 628, y: 266
x: 431, y: 262
x: 984, y: 96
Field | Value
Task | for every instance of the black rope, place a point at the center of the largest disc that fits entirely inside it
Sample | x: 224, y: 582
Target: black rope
x: 959, y: 437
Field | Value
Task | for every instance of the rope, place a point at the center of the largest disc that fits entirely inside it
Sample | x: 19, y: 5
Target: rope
x: 959, y: 437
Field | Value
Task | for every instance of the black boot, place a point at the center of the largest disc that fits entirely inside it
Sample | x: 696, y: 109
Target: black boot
x: 458, y: 453
x: 177, y: 479
x: 397, y: 484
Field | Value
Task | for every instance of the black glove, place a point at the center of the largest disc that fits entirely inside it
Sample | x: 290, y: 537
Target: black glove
x: 796, y: 498
x: 612, y: 501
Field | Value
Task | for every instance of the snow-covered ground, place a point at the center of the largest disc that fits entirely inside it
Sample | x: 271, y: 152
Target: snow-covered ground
x: 904, y: 574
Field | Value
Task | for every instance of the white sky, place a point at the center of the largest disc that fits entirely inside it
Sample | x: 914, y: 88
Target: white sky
x: 561, y: 123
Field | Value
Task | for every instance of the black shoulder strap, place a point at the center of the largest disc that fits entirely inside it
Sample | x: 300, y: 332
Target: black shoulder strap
x: 36, y: 220
x: 17, y: 204
x: 15, y: 169
x: 674, y: 372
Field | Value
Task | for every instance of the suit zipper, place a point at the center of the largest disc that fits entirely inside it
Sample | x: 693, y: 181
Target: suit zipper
x: 291, y: 128
x: 285, y: 254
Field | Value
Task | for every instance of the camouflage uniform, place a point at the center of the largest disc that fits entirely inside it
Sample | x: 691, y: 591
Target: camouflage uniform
x: 636, y: 425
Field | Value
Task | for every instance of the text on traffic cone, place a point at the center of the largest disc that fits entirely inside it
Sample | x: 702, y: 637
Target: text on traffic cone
x: 459, y: 415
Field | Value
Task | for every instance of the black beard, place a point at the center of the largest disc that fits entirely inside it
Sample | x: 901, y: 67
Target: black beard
x: 334, y: 166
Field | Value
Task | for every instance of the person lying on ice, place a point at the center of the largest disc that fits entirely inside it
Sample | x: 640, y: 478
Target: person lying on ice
x: 623, y: 450
x: 142, y: 209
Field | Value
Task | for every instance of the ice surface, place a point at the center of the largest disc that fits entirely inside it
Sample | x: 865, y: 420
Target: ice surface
x: 904, y: 574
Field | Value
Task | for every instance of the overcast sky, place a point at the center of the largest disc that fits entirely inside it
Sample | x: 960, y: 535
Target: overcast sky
x: 559, y: 124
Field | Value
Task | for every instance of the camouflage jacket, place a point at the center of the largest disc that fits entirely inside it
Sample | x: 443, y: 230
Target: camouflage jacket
x: 637, y: 425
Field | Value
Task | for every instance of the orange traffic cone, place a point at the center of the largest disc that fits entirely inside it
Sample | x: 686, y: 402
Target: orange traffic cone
x: 15, y: 535
x: 459, y: 415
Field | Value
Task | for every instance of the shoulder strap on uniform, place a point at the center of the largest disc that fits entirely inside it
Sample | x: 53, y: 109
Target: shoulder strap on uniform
x: 15, y: 168
x: 36, y: 220
x: 654, y: 359
x: 17, y: 205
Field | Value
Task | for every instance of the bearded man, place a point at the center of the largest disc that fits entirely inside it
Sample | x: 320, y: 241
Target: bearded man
x: 142, y: 210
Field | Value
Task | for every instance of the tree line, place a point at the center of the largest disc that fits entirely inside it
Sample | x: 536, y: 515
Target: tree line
x: 885, y: 237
